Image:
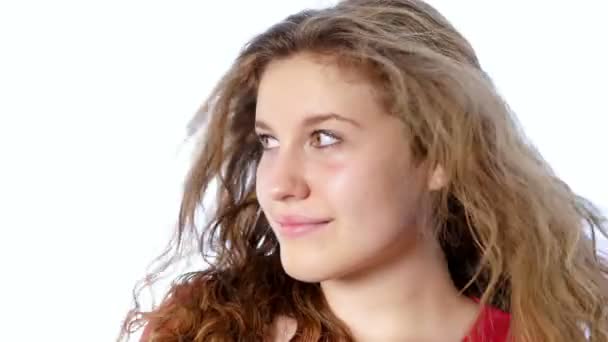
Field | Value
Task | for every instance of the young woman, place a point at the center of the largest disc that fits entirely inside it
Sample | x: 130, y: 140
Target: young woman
x: 373, y: 186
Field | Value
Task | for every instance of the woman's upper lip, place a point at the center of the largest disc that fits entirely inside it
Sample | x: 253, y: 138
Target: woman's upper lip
x: 295, y: 220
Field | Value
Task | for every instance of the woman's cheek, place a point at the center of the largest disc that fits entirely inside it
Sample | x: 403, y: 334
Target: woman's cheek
x: 340, y: 179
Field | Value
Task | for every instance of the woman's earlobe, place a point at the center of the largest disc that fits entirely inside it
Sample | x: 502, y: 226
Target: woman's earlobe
x: 438, y: 179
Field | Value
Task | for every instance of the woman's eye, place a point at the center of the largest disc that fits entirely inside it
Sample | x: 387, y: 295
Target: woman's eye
x: 323, y: 139
x: 267, y: 141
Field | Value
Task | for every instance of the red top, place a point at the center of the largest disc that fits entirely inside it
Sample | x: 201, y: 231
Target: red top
x: 491, y: 326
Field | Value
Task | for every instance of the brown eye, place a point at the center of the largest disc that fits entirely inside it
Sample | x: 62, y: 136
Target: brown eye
x: 322, y: 139
x: 267, y: 142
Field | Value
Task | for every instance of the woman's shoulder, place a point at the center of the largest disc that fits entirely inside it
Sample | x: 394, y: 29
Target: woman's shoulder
x: 201, y: 299
x: 492, y: 326
x: 283, y: 329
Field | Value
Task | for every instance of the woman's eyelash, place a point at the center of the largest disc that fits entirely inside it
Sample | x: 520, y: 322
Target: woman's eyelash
x: 324, y: 132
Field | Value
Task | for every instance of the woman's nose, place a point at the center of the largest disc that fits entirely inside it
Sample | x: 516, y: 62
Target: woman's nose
x: 288, y: 180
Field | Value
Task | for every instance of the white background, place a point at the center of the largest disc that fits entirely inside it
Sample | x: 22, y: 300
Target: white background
x: 95, y: 96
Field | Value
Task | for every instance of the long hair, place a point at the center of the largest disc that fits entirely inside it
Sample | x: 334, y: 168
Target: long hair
x: 513, y: 233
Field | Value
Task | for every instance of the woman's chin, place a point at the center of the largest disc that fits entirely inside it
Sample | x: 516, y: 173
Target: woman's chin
x: 307, y: 276
x: 307, y: 271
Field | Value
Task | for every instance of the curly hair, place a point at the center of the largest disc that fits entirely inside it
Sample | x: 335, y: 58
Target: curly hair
x: 514, y: 234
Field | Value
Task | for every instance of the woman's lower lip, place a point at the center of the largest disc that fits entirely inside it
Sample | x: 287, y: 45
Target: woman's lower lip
x: 297, y: 230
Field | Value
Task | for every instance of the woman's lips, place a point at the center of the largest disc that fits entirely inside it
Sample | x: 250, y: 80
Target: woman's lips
x: 296, y: 226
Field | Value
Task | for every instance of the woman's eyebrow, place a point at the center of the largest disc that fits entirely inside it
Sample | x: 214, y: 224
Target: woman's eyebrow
x: 312, y: 120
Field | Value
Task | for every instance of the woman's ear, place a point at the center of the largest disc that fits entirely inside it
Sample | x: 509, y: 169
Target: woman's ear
x: 437, y: 179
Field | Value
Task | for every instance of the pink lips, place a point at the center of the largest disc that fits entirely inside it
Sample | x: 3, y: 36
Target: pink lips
x: 295, y: 226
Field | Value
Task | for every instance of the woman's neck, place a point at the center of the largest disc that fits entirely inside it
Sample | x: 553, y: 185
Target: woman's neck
x: 408, y: 295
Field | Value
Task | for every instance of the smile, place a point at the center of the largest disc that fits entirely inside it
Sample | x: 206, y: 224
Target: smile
x: 293, y: 227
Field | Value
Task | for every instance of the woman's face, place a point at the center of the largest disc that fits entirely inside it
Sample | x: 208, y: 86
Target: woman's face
x: 336, y: 180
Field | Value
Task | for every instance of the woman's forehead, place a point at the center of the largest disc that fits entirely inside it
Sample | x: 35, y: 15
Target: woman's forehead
x: 300, y: 85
